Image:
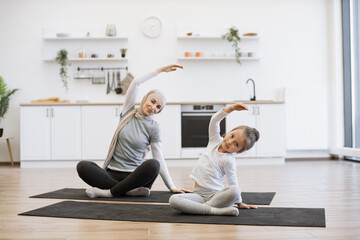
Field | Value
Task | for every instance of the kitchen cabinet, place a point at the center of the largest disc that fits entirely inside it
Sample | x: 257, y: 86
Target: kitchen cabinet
x: 84, y: 131
x: 98, y: 127
x: 201, y: 43
x: 170, y: 126
x: 269, y: 120
x: 81, y: 43
x: 35, y: 133
x: 50, y: 133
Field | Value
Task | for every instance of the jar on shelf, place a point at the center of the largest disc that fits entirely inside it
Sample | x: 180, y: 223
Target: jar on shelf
x: 252, y: 54
x: 188, y: 54
x: 82, y: 54
x: 111, y: 30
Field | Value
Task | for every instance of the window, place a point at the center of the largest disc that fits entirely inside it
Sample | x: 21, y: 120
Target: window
x: 351, y: 54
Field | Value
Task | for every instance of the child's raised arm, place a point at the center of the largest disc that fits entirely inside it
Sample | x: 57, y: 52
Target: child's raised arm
x: 235, y: 107
x: 214, y: 126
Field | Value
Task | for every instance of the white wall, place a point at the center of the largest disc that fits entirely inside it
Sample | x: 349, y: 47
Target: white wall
x: 296, y: 47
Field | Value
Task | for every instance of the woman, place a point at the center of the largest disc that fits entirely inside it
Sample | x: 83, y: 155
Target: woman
x: 125, y: 172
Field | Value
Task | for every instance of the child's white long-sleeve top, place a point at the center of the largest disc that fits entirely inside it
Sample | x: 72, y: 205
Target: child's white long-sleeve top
x: 212, y: 167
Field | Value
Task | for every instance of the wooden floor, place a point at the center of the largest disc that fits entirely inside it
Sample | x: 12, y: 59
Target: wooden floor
x: 330, y: 184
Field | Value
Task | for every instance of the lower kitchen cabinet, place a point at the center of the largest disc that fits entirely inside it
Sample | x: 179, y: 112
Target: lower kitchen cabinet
x: 75, y: 132
x: 84, y: 132
x: 272, y: 127
x: 98, y: 127
x: 50, y: 133
x: 35, y: 133
x: 169, y: 120
x: 269, y: 120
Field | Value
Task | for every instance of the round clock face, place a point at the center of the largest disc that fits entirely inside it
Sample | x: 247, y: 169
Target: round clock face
x: 152, y: 26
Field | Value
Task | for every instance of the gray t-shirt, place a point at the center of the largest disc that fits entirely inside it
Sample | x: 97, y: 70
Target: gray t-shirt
x: 131, y: 144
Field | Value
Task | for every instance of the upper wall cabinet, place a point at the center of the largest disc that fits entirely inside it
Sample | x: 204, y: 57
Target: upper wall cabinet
x: 86, y: 44
x: 206, y: 44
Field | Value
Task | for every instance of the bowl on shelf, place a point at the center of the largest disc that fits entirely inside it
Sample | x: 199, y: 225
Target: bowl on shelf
x: 250, y: 34
x: 63, y: 34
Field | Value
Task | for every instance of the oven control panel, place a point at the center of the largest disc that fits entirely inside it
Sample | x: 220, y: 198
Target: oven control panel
x: 201, y: 107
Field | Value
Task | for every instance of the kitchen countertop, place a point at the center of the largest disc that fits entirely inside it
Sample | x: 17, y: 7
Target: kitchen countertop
x: 169, y: 103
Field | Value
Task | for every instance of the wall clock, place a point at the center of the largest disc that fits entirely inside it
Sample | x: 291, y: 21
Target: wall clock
x: 152, y: 26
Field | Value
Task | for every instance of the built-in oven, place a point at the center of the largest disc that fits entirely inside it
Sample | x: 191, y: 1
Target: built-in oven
x: 195, y: 121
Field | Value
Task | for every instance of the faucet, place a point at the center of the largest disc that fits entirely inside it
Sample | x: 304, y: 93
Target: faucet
x: 254, y: 96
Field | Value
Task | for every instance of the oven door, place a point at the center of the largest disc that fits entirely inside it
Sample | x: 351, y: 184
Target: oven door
x: 195, y: 129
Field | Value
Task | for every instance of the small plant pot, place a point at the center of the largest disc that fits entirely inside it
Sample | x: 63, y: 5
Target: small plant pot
x: 123, y: 52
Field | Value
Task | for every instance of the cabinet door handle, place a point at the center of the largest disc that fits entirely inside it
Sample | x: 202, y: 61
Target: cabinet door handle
x: 47, y: 112
x: 52, y: 112
x: 116, y: 111
x: 258, y: 110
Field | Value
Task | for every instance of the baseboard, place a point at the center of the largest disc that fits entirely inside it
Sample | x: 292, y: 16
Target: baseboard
x: 260, y: 161
x: 53, y: 164
x: 181, y: 162
x: 311, y: 154
x: 239, y: 162
x: 169, y: 162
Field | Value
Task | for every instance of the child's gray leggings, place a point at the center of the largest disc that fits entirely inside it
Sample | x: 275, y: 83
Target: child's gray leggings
x: 203, y: 201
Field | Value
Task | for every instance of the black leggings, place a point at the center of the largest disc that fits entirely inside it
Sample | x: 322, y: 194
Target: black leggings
x: 119, y: 182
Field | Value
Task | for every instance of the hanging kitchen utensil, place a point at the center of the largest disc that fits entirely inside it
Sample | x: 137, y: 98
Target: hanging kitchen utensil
x: 108, y: 89
x: 113, y: 81
x: 126, y: 82
x: 118, y: 88
x: 98, y: 78
x: 82, y: 75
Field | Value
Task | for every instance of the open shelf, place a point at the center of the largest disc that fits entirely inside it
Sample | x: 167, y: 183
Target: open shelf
x: 216, y: 58
x: 214, y: 37
x: 207, y: 42
x: 85, y: 38
x: 90, y: 59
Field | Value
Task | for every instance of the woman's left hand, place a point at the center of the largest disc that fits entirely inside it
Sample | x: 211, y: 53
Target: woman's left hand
x: 243, y: 205
x: 181, y: 190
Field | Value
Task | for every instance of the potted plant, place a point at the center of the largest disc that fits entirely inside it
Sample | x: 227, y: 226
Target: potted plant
x: 233, y: 37
x: 62, y: 59
x: 5, y: 95
x: 123, y: 52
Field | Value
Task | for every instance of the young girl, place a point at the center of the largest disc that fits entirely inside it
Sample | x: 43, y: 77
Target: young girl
x: 125, y: 172
x: 210, y: 196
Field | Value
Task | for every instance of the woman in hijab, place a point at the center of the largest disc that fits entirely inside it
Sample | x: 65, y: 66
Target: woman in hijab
x: 125, y: 172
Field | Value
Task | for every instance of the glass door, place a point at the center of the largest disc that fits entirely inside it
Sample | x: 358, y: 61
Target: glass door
x: 351, y: 54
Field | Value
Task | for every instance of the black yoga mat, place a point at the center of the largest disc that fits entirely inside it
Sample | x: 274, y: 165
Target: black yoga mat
x: 264, y: 216
x: 257, y: 198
